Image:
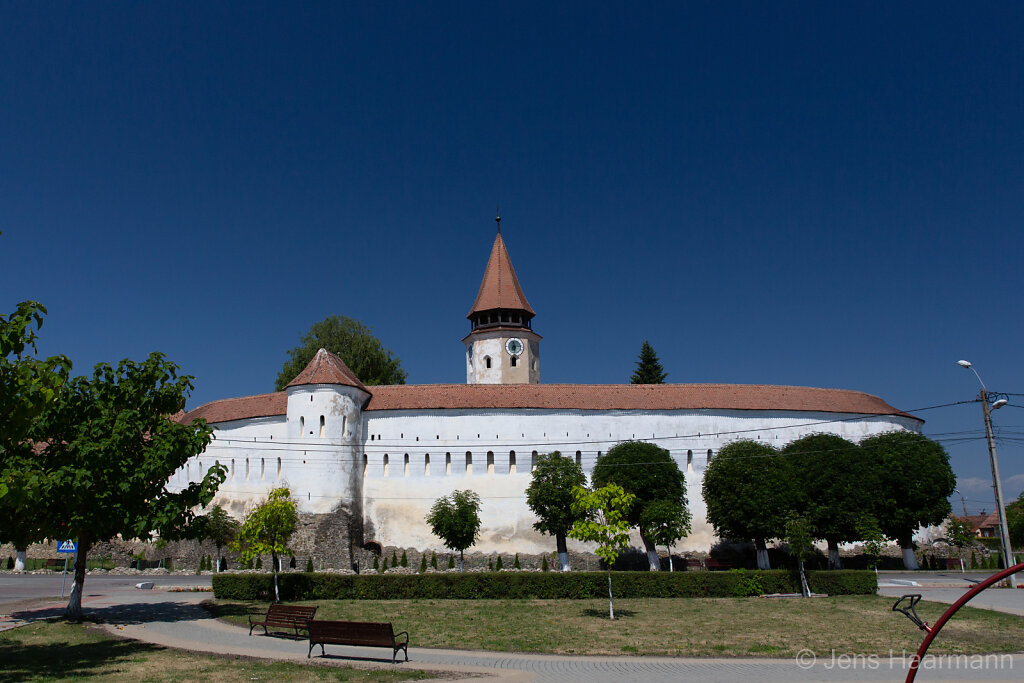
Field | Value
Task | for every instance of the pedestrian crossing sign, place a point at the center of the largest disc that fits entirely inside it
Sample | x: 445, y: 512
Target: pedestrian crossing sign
x: 67, y: 547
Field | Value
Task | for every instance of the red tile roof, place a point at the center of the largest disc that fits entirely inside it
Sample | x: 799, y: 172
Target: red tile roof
x: 500, y: 286
x: 578, y: 397
x: 327, y: 368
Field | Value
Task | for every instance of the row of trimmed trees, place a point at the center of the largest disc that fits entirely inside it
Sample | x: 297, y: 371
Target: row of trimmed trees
x: 887, y: 485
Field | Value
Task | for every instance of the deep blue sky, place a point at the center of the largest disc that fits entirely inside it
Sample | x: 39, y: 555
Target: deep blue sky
x: 784, y: 193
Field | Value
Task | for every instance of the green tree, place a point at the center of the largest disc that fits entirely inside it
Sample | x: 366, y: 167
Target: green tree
x: 405, y: 559
x: 648, y: 367
x: 602, y: 518
x: 267, y: 529
x: 832, y: 488
x: 912, y: 482
x: 960, y: 534
x: 423, y: 563
x: 500, y: 565
x: 433, y: 560
x: 354, y: 343
x: 800, y: 538
x: 309, y: 565
x: 515, y: 562
x: 748, y: 492
x: 1015, y: 522
x: 218, y: 526
x: 650, y: 474
x: 665, y: 523
x: 27, y: 386
x: 550, y: 497
x: 455, y: 519
x: 874, y: 540
x: 110, y: 450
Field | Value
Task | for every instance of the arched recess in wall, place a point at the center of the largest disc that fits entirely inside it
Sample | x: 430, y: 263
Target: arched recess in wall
x: 279, y: 469
x: 386, y: 464
x: 487, y: 362
x: 490, y: 462
x: 533, y: 461
x: 689, y: 461
x: 302, y: 426
x: 405, y: 468
x: 447, y: 463
x: 247, y: 469
x: 232, y: 469
x: 511, y: 462
x: 426, y: 464
x: 710, y: 455
x: 579, y: 458
x: 263, y: 469
x: 469, y: 463
x: 323, y: 427
x: 366, y: 464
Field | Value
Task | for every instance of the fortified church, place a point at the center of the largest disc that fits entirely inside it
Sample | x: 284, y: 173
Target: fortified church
x: 366, y: 463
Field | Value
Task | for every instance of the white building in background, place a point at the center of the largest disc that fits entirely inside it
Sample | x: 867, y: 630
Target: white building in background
x: 368, y: 462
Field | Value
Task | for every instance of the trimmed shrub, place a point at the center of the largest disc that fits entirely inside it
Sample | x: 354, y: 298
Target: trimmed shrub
x: 385, y: 565
x: 490, y: 565
x: 536, y: 585
x: 394, y: 559
x: 309, y: 565
x: 423, y: 564
x: 433, y: 559
x: 544, y: 563
x: 405, y: 560
x: 500, y: 564
x: 515, y: 564
x: 451, y: 562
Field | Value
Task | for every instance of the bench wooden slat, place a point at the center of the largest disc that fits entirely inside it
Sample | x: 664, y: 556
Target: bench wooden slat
x: 357, y: 633
x: 284, y: 616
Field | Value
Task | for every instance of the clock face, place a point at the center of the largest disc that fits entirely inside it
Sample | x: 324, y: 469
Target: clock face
x: 514, y: 347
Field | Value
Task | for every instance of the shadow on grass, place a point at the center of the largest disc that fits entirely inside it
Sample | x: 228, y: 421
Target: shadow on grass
x: 58, y: 660
x: 133, y: 613
x: 603, y: 613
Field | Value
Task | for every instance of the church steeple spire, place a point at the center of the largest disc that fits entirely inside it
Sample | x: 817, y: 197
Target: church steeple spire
x: 501, y: 346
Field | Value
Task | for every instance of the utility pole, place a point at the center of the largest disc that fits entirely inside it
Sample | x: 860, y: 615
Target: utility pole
x: 1004, y: 531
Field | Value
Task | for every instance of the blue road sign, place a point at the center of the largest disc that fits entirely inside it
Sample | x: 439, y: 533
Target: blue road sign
x: 67, y: 547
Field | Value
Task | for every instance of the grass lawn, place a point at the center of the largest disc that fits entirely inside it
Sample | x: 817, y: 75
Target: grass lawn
x: 55, y: 651
x: 706, y: 627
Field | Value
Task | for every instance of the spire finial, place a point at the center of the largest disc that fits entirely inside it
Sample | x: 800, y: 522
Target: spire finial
x: 497, y: 218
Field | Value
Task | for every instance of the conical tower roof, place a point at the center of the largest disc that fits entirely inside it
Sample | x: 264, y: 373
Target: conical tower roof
x: 327, y: 368
x: 500, y: 287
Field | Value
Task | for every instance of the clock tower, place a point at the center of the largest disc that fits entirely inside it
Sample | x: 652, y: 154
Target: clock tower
x: 502, y: 347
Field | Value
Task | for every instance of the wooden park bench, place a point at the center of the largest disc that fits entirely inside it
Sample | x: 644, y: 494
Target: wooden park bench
x: 55, y: 564
x: 359, y: 633
x: 284, y: 616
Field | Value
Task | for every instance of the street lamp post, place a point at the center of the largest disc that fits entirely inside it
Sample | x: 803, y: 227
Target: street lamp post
x: 1004, y: 531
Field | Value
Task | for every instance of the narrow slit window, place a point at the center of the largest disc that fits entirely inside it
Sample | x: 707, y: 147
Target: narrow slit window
x: 247, y: 469
x: 447, y: 463
x: 689, y: 461
x: 426, y: 464
x: 366, y: 464
x: 302, y: 426
x: 323, y: 427
x: 232, y: 469
x: 710, y: 455
x: 487, y: 361
x: 385, y: 464
x: 513, y: 361
x: 263, y: 469
x: 511, y: 462
x: 490, y: 462
x: 279, y: 468
x: 344, y: 421
x: 469, y: 463
x: 405, y: 469
x: 533, y: 461
x: 579, y: 459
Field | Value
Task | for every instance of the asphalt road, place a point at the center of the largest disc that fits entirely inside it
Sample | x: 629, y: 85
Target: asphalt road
x: 17, y: 588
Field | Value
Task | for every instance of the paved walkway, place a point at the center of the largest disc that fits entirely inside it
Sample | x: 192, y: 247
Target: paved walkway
x: 176, y: 620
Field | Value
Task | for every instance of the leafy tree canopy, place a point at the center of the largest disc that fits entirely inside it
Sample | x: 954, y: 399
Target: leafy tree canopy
x: 913, y: 483
x: 110, y: 449
x: 748, y: 491
x: 354, y: 343
x: 267, y: 529
x: 1015, y: 522
x: 959, y: 532
x: 550, y: 493
x: 665, y: 522
x: 833, y: 488
x: 648, y: 368
x: 644, y: 470
x: 602, y: 518
x: 455, y: 519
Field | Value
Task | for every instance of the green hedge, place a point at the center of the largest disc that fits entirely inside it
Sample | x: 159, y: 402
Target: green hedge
x: 537, y: 585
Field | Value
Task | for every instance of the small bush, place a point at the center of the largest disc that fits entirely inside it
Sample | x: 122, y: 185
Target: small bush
x: 423, y: 564
x: 515, y: 564
x: 433, y: 559
x: 405, y: 560
x: 536, y: 585
x: 385, y: 565
x: 451, y: 562
x: 309, y: 565
x: 544, y: 563
x: 748, y: 583
x: 376, y: 562
x: 490, y: 565
x: 394, y: 559
x: 500, y: 564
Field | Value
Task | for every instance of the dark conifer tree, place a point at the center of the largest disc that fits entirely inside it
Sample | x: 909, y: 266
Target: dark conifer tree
x: 648, y: 368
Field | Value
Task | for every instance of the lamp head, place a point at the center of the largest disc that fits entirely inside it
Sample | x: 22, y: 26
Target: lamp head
x: 999, y: 404
x: 964, y: 363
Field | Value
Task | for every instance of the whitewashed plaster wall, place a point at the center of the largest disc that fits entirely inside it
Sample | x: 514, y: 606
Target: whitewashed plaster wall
x: 491, y: 344
x: 325, y: 472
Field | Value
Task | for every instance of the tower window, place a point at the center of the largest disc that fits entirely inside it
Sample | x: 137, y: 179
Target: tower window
x: 514, y: 359
x: 487, y: 362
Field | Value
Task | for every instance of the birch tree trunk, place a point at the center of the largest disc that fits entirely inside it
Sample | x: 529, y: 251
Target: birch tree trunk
x: 909, y: 558
x: 833, y: 555
x: 19, y: 560
x: 273, y: 561
x: 611, y: 604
